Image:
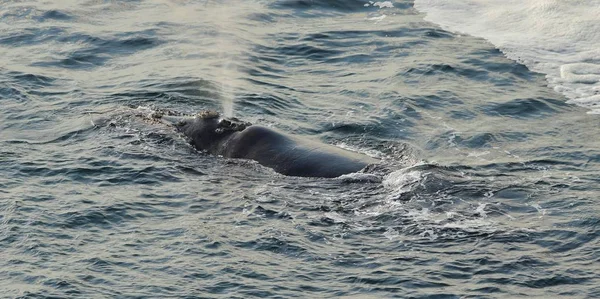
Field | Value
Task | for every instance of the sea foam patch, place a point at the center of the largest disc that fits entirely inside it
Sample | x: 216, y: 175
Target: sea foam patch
x: 555, y: 37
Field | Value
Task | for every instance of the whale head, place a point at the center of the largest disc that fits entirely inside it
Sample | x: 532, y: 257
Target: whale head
x: 207, y: 130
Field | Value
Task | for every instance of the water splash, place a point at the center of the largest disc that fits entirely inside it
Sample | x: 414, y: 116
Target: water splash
x: 230, y: 48
x: 228, y: 84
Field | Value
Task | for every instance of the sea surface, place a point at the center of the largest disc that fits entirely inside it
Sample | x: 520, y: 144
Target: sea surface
x: 490, y: 187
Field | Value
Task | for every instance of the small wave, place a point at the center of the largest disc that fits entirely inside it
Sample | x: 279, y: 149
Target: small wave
x: 520, y: 108
x: 17, y: 13
x: 585, y: 73
x: 95, y: 51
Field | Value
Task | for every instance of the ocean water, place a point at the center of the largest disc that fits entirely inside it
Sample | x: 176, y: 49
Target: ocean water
x: 557, y: 38
x: 491, y: 182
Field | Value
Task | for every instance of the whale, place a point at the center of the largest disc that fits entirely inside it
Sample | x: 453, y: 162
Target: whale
x: 284, y: 153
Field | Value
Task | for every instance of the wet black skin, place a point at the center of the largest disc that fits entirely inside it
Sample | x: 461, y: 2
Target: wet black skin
x: 283, y: 153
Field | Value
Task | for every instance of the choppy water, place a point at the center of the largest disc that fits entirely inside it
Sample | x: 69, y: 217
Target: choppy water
x: 493, y: 193
x: 557, y: 38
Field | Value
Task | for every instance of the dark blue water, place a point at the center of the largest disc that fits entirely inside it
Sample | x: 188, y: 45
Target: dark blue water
x: 491, y: 189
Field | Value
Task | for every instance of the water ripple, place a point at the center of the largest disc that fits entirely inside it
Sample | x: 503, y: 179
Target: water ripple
x: 487, y: 186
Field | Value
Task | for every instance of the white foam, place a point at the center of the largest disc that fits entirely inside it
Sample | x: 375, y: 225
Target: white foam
x: 379, y: 15
x: 369, y: 152
x: 402, y: 181
x: 377, y: 18
x: 384, y: 4
x: 558, y: 38
x: 360, y: 177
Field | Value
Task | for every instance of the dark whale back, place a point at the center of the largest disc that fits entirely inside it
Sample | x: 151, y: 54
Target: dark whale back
x: 285, y: 154
x: 294, y: 156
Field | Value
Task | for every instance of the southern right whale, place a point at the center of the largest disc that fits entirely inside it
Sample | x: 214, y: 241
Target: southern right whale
x: 284, y: 153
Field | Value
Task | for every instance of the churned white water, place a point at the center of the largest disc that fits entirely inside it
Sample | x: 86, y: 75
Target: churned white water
x: 555, y: 37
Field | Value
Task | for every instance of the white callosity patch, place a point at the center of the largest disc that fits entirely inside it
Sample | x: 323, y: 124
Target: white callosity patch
x: 554, y: 37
